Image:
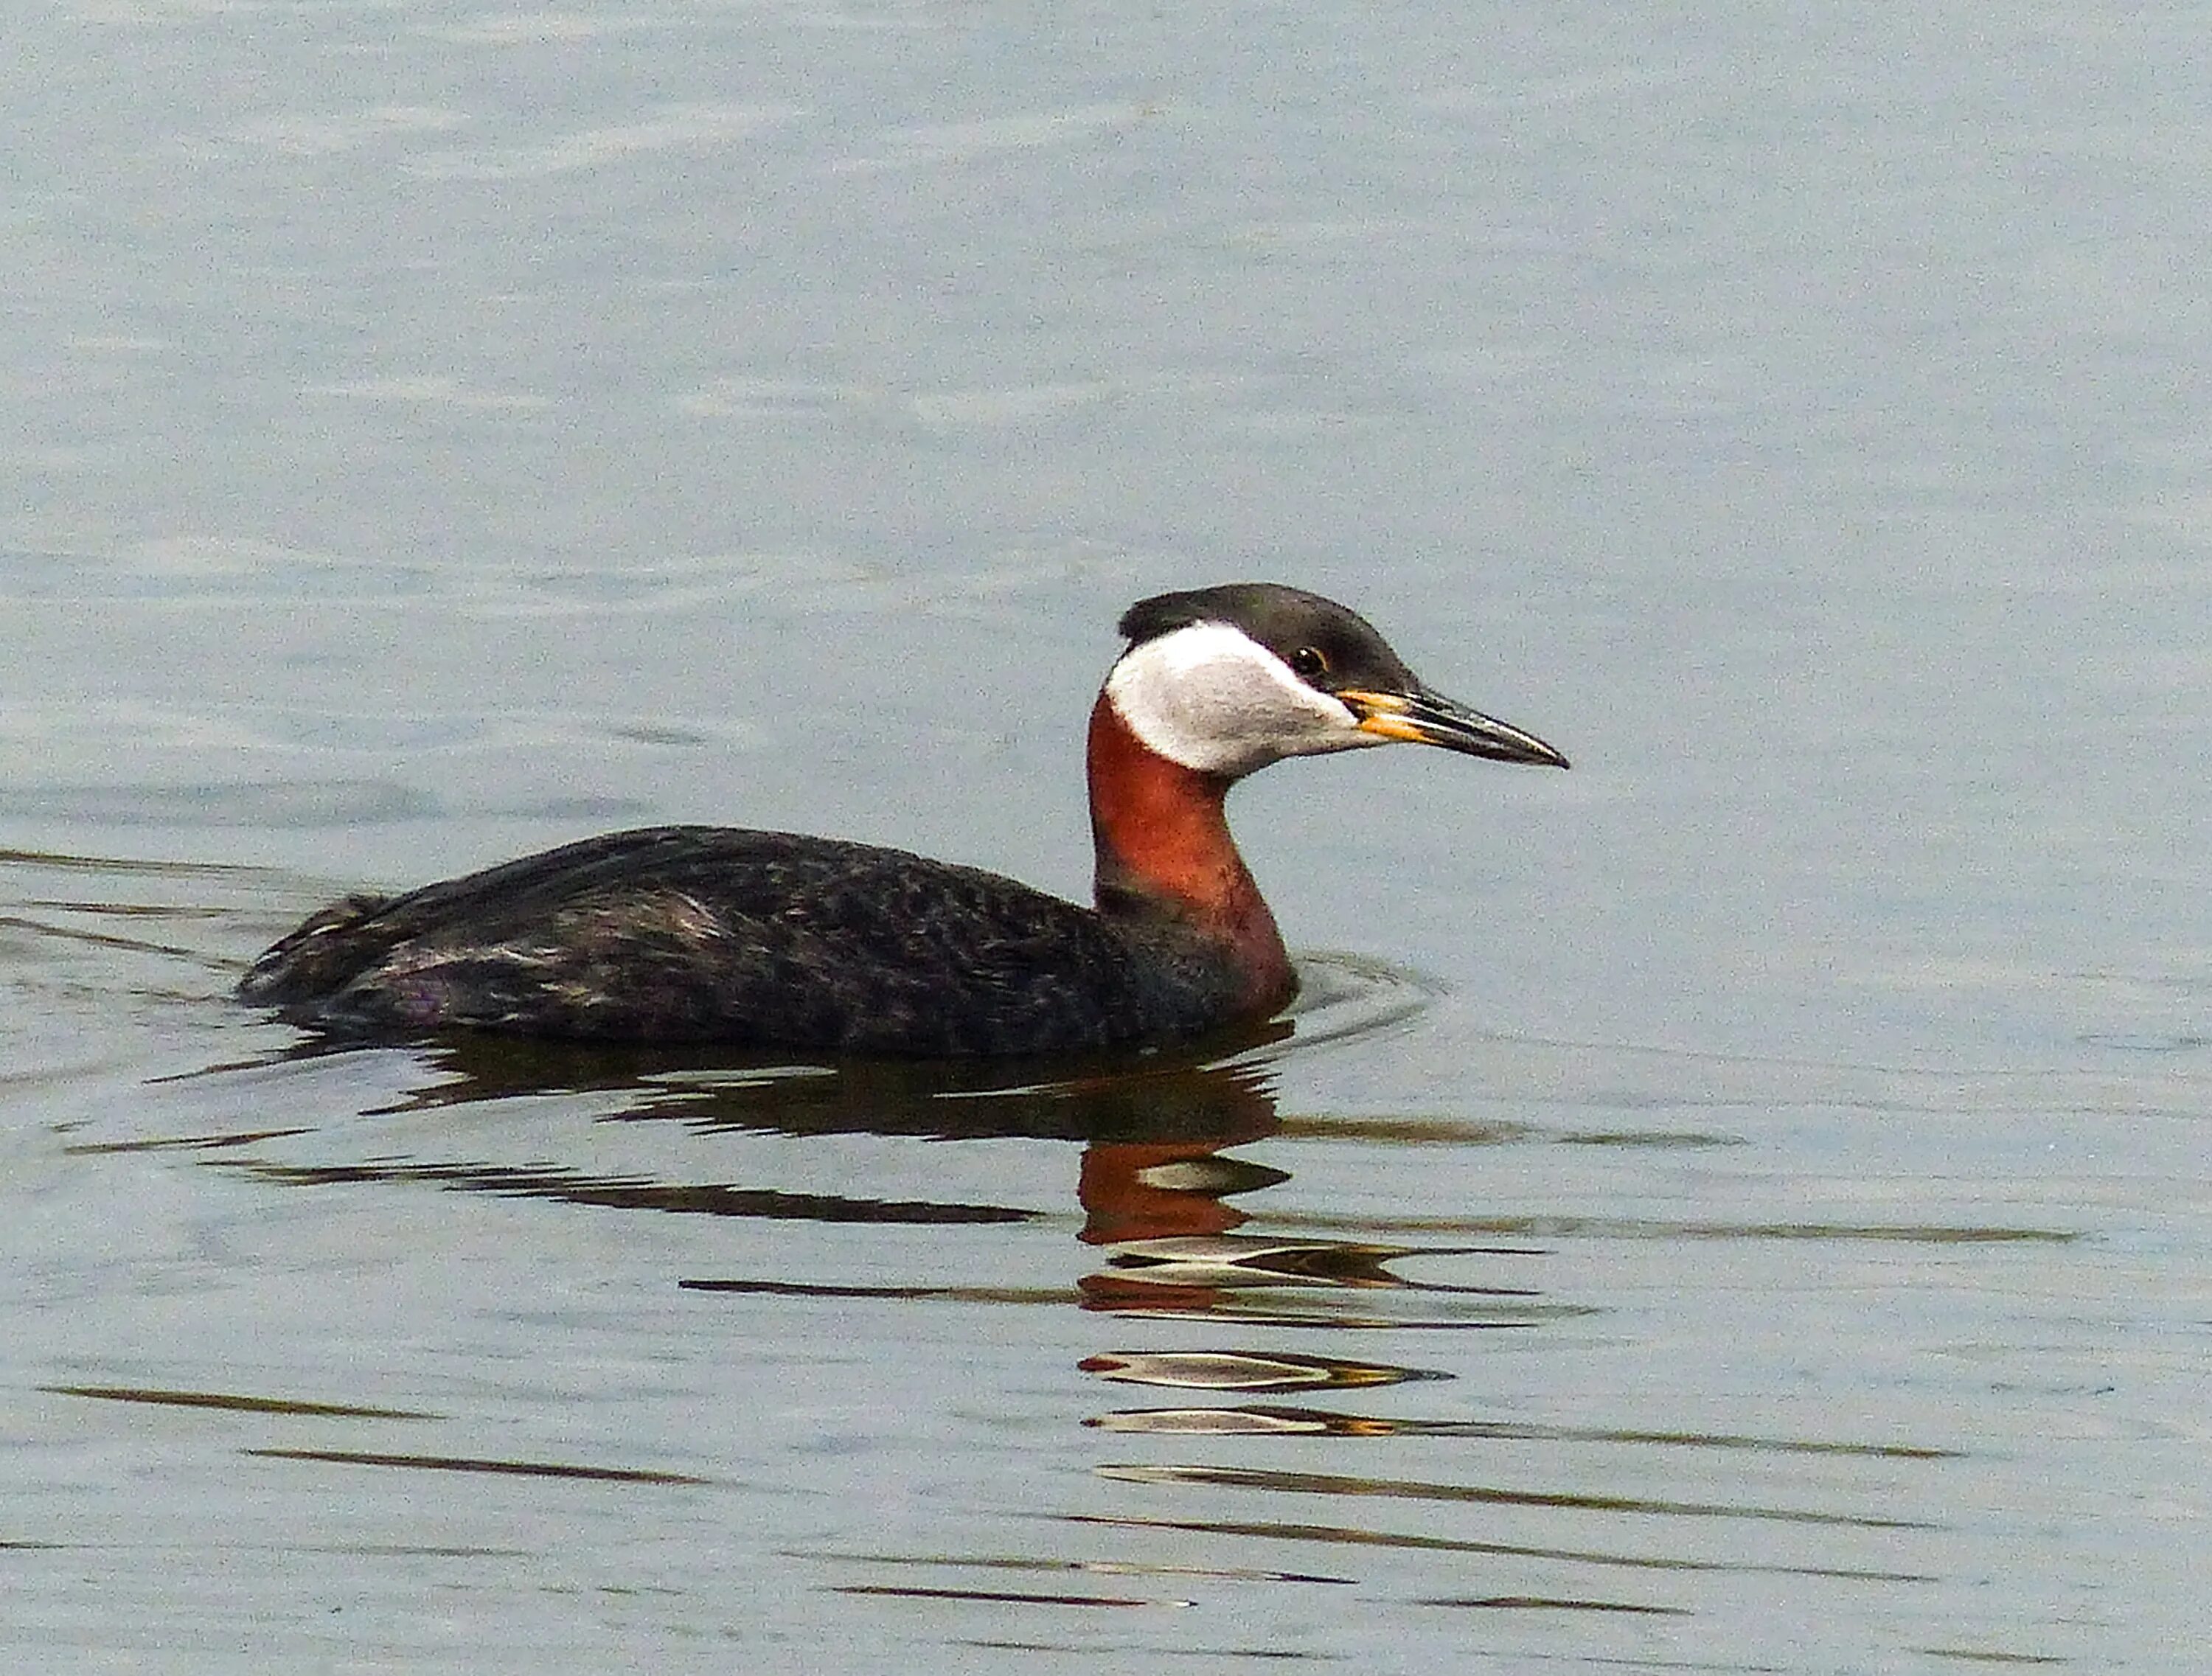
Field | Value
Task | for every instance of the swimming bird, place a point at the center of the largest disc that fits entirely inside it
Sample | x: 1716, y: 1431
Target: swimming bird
x: 771, y: 939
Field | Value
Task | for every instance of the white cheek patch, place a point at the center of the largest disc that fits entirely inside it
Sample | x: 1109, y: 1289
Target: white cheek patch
x: 1211, y: 698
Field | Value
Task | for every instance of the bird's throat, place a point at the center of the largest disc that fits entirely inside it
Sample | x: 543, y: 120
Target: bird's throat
x: 1164, y: 849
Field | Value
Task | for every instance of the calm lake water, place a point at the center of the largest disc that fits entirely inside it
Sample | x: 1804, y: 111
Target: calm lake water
x: 1740, y: 1205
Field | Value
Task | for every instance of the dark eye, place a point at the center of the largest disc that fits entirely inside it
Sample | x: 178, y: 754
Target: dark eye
x: 1308, y: 663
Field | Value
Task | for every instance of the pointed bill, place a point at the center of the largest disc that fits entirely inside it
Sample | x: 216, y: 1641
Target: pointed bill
x: 1424, y: 718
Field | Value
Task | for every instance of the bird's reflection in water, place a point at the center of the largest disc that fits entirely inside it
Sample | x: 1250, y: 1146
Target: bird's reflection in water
x: 1217, y: 1091
x: 1163, y: 1196
x: 1151, y: 1125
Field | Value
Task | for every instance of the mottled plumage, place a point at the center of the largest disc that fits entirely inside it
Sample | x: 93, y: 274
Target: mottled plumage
x: 693, y: 934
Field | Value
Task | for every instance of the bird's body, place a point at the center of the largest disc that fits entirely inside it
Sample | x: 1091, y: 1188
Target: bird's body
x: 690, y: 934
x: 763, y: 939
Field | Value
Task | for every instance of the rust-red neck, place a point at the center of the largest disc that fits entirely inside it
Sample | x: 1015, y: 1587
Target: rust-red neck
x: 1163, y: 848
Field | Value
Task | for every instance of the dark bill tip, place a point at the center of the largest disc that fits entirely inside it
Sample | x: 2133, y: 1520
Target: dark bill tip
x: 1429, y: 719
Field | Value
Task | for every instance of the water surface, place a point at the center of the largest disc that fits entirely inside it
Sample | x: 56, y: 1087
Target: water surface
x: 1737, y: 1205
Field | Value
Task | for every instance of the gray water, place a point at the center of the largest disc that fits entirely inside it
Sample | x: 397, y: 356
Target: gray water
x: 1739, y: 1205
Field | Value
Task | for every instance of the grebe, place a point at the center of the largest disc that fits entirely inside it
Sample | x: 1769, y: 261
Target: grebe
x: 767, y: 939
